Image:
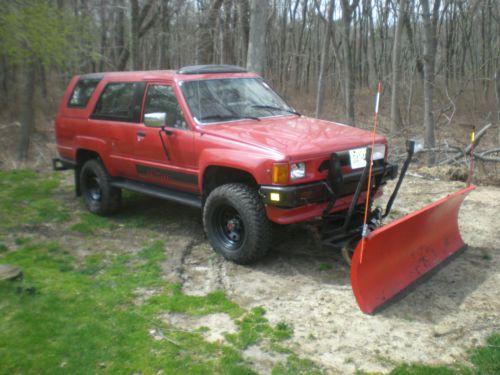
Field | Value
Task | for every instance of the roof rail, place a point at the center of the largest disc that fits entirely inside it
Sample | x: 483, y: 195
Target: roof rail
x: 212, y: 68
x: 96, y: 76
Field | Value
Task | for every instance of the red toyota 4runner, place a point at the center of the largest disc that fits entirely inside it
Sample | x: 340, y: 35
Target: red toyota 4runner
x: 218, y: 138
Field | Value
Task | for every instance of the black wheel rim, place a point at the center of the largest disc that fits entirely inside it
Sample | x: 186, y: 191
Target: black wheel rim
x: 229, y: 227
x: 93, y: 188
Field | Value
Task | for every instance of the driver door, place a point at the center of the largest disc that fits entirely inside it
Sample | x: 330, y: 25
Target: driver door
x: 165, y: 145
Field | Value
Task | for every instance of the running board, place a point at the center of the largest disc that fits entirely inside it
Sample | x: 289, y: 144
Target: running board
x: 182, y: 197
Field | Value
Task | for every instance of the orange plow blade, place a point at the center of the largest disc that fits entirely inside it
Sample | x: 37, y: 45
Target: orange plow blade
x: 397, y: 254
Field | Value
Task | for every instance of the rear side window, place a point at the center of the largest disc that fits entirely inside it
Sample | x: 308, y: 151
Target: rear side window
x: 120, y: 101
x: 82, y: 92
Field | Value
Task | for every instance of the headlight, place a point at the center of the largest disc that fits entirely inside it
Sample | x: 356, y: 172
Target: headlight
x: 297, y: 170
x: 378, y: 152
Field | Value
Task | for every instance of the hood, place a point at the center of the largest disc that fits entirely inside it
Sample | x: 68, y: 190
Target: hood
x: 294, y: 137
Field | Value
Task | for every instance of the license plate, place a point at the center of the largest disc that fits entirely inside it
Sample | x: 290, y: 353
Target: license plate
x: 358, y: 157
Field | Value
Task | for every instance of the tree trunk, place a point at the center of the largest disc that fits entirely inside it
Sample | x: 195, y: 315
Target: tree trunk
x: 245, y: 29
x: 104, y: 30
x: 396, y: 70
x: 372, y: 61
x: 164, y: 37
x: 429, y: 52
x: 347, y: 11
x: 320, y: 98
x: 206, y: 36
x: 257, y: 40
x: 27, y: 113
x: 134, y: 34
x: 497, y: 95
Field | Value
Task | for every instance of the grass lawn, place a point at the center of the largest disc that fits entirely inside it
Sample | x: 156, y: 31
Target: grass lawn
x: 74, y: 314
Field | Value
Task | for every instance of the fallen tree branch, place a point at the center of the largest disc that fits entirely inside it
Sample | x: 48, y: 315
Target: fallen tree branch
x: 478, y: 137
x: 487, y: 152
x: 466, y: 151
x: 487, y: 158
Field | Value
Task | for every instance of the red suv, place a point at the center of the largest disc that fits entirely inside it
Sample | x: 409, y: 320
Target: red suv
x: 218, y: 138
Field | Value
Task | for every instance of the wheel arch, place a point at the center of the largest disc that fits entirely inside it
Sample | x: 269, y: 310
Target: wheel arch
x: 216, y: 175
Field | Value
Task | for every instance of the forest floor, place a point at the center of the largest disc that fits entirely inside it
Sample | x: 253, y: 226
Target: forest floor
x: 143, y: 291
x: 437, y: 323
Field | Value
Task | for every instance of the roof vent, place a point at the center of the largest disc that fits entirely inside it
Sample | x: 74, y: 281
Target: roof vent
x: 214, y: 68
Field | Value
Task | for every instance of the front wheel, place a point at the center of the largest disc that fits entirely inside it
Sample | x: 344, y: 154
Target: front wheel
x: 236, y: 224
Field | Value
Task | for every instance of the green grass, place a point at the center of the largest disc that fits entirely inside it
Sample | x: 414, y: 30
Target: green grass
x: 28, y: 199
x: 90, y: 223
x: 82, y: 315
x: 83, y: 319
x: 296, y: 366
x: 254, y: 328
x: 325, y: 266
x: 485, y: 361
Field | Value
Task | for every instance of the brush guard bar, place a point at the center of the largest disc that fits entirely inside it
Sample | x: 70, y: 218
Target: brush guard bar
x: 337, y: 229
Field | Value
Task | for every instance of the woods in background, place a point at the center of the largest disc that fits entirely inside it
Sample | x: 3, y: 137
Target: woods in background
x: 332, y: 50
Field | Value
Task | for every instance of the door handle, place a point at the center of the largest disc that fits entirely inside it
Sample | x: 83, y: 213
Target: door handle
x: 141, y: 134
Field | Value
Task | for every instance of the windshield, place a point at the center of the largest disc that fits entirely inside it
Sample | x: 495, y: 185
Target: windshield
x: 231, y: 99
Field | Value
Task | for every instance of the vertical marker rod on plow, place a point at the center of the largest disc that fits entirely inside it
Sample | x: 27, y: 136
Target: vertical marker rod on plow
x: 471, y: 157
x: 368, y: 190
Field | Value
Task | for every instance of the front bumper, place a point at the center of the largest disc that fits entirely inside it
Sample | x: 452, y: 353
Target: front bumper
x: 288, y: 197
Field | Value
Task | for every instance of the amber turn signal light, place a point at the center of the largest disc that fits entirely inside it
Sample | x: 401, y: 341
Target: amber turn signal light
x: 280, y: 173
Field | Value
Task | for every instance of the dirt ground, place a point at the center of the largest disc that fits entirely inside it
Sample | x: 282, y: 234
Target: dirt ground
x: 309, y: 287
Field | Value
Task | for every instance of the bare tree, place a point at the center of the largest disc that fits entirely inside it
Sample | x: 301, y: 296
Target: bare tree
x: 325, y: 51
x: 430, y: 21
x: 164, y: 36
x: 28, y: 114
x: 396, y: 70
x: 347, y: 13
x: 257, y: 39
x: 206, y: 33
x: 139, y: 25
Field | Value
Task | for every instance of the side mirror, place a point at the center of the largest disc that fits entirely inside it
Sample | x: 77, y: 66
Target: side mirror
x: 155, y: 119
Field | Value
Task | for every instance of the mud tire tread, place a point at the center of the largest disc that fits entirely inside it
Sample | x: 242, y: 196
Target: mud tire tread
x: 258, y: 228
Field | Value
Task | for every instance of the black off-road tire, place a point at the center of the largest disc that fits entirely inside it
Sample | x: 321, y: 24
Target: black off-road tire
x: 244, y: 205
x: 98, y: 194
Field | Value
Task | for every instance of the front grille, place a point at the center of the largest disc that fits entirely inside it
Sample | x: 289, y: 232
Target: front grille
x: 344, y: 161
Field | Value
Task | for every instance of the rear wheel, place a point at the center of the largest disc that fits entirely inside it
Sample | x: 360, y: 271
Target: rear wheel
x: 236, y: 224
x: 98, y: 194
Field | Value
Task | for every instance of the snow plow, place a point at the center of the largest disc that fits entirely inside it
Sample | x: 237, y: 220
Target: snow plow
x: 386, y: 259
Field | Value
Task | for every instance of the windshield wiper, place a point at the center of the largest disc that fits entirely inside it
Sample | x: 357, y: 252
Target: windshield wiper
x: 276, y: 108
x: 228, y: 117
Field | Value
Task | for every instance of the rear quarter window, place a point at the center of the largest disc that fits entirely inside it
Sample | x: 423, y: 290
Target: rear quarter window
x: 120, y: 101
x: 82, y: 92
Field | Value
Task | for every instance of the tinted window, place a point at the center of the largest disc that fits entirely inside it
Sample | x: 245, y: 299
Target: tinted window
x: 161, y: 99
x: 82, y: 92
x: 120, y: 101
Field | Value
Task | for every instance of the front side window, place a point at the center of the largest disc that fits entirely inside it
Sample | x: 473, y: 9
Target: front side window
x: 82, y: 92
x: 161, y: 103
x: 120, y: 101
x: 230, y: 99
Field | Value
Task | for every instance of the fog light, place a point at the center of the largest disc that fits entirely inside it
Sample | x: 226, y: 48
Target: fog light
x: 275, y: 197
